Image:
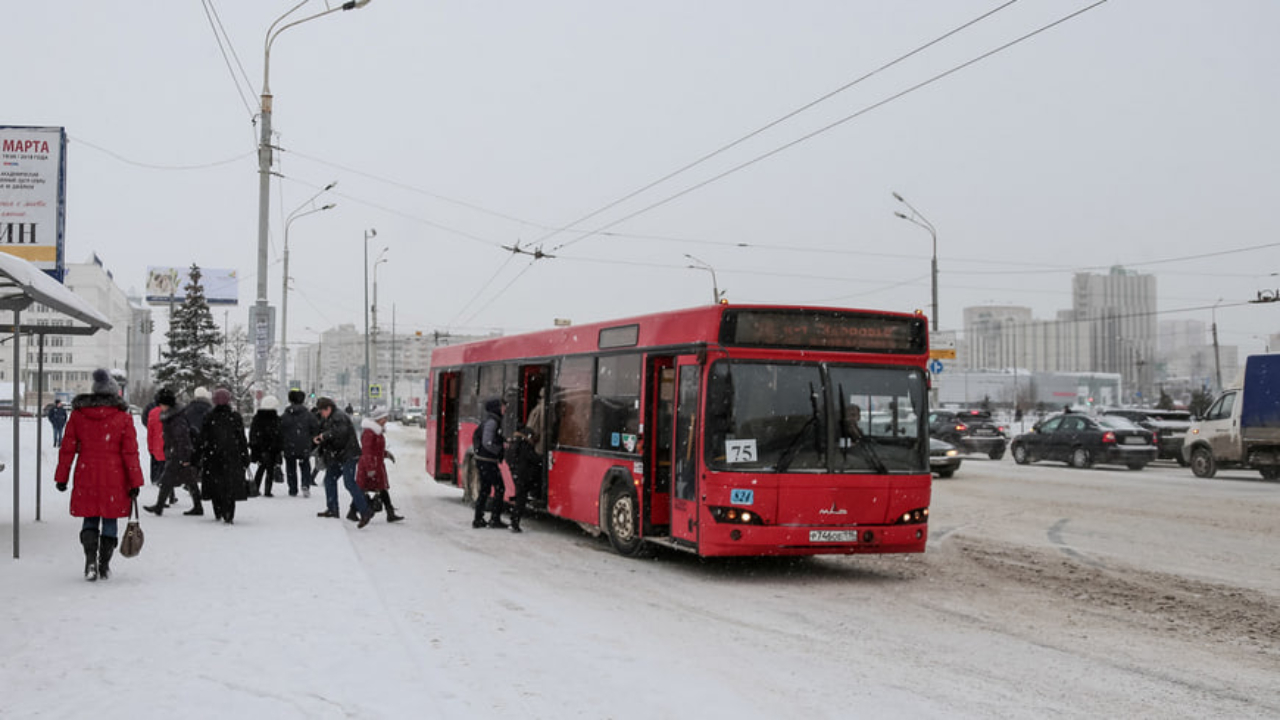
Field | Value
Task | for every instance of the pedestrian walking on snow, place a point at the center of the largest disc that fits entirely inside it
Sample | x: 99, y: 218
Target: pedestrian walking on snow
x: 371, y: 473
x: 224, y: 457
x: 340, y: 452
x: 179, y: 452
x: 58, y: 419
x: 101, y: 442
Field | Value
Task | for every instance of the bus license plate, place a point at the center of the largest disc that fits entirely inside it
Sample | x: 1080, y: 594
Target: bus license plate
x: 833, y: 536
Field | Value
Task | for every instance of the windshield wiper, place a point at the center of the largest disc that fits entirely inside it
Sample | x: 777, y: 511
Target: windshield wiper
x: 789, y: 454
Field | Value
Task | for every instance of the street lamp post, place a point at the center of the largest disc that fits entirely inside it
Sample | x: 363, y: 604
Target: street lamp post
x: 374, y: 340
x: 715, y: 286
x: 260, y: 315
x: 364, y: 395
x: 916, y: 218
x: 284, y: 285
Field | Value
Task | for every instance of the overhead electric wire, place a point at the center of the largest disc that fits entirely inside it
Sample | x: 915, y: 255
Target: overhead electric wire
x: 776, y: 122
x: 480, y: 291
x: 215, y: 23
x: 837, y: 123
x: 151, y: 166
x: 502, y: 290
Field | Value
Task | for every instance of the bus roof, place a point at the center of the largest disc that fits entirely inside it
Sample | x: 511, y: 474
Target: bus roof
x: 690, y: 326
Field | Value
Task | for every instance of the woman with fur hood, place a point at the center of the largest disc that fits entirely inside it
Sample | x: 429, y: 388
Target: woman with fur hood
x: 100, y: 439
x: 371, y: 473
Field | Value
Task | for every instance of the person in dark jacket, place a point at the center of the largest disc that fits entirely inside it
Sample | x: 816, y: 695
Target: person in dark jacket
x: 224, y: 457
x: 266, y: 445
x: 371, y: 472
x: 298, y: 426
x: 58, y: 419
x: 526, y: 470
x: 488, y: 455
x: 340, y: 452
x: 179, y: 452
x: 101, y: 442
x: 197, y: 410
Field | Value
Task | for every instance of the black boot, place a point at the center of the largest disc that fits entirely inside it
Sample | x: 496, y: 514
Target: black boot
x: 391, y: 511
x: 157, y: 509
x: 89, y: 539
x: 352, y: 514
x: 515, y: 524
x: 105, y: 548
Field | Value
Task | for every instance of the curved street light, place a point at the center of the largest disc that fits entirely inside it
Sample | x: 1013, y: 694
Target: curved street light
x: 284, y: 286
x: 260, y: 312
x: 715, y: 286
x: 917, y: 218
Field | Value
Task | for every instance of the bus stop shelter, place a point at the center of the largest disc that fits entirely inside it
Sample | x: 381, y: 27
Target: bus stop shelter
x: 21, y: 284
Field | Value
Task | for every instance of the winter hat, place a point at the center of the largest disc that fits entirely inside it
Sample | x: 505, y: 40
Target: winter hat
x: 297, y: 397
x: 377, y: 413
x: 269, y: 403
x: 222, y: 396
x: 201, y: 392
x: 103, y: 384
x: 165, y: 396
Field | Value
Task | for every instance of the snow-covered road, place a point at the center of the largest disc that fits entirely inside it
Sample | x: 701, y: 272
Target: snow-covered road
x: 1045, y: 592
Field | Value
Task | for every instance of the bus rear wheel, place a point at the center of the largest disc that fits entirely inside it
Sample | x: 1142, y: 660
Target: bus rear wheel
x: 622, y: 522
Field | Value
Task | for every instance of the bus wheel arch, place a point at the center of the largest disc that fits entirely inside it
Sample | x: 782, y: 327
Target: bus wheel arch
x: 620, y: 515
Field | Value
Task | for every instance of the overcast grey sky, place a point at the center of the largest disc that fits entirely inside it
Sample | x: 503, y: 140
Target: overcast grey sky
x: 1142, y: 133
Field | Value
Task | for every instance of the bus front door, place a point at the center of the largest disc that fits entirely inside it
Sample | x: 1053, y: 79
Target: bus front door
x: 684, y: 452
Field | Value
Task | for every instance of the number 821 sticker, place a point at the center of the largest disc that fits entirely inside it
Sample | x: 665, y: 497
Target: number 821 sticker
x: 738, y: 496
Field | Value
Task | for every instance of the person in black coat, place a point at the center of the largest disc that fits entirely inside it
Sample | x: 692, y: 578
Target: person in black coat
x: 197, y: 410
x: 58, y: 419
x: 266, y: 444
x: 179, y: 453
x: 340, y: 452
x: 224, y: 457
x: 298, y: 426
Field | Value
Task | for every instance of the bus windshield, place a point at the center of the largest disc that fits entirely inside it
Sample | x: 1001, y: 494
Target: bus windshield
x: 815, y: 417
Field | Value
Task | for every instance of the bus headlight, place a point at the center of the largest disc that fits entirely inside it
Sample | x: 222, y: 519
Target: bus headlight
x: 735, y: 516
x: 913, y: 517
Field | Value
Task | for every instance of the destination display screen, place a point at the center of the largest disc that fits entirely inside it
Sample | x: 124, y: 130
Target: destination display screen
x: 824, y: 329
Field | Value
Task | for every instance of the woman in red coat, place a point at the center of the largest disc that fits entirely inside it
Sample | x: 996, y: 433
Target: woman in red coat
x: 371, y: 473
x: 100, y: 439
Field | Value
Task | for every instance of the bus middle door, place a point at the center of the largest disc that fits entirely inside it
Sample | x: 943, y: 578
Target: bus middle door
x: 685, y: 459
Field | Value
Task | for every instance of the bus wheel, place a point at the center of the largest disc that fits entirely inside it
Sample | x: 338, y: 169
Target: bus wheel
x: 623, y: 521
x: 1202, y: 463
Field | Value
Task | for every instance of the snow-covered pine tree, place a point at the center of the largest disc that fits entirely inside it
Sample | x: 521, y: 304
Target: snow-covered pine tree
x: 190, y: 360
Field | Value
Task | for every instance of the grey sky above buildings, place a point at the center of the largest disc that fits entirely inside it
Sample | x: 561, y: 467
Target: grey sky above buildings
x: 1140, y: 133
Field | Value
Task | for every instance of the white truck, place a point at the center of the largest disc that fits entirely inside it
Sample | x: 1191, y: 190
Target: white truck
x: 1242, y: 426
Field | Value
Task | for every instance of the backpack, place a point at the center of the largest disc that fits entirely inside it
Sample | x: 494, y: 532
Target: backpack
x: 477, y: 441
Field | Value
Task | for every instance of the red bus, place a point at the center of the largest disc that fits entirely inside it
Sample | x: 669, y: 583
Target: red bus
x: 719, y: 430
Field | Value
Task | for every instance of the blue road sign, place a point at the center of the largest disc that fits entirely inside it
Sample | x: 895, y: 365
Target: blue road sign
x: 935, y: 367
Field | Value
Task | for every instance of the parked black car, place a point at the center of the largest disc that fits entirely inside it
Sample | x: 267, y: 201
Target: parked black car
x: 944, y: 458
x: 971, y: 431
x: 1170, y: 427
x: 1082, y: 441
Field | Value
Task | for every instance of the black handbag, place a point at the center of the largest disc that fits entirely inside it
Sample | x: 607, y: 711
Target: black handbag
x: 131, y: 541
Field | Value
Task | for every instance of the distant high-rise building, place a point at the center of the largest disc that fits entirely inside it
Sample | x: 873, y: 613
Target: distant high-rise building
x: 1119, y: 309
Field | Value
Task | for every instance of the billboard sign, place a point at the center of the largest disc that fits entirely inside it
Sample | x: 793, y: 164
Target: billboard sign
x: 221, y: 287
x: 33, y: 190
